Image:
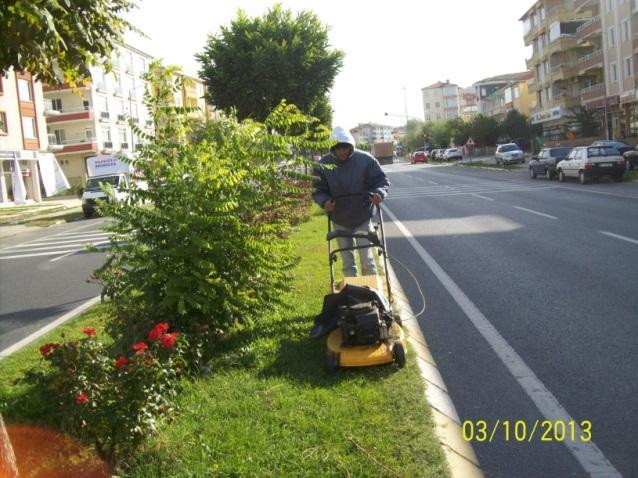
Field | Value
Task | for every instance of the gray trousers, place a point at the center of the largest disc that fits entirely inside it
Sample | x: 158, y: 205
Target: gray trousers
x: 366, y: 255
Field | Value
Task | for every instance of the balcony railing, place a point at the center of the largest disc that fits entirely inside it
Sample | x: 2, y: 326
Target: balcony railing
x: 72, y: 114
x: 48, y: 108
x: 580, y: 5
x: 589, y: 28
x: 592, y: 92
x: 54, y: 145
x: 591, y: 60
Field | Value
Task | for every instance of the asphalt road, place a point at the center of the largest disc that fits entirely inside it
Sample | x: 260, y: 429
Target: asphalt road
x: 44, y: 275
x: 548, y: 272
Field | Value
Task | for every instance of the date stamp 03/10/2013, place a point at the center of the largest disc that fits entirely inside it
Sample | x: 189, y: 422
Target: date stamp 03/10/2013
x: 523, y: 431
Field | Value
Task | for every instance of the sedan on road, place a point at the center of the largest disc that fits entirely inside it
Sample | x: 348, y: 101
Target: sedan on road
x: 452, y: 153
x: 419, y: 157
x: 587, y: 162
x: 509, y: 153
x: 546, y: 161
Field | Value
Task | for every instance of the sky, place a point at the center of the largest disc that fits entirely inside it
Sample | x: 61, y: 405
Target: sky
x: 392, y: 48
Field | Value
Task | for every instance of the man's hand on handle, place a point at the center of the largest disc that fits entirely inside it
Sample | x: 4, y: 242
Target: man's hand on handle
x: 376, y: 198
x: 329, y: 205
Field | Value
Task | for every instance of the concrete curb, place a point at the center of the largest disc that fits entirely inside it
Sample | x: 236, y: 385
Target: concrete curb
x: 459, y: 454
x: 47, y: 328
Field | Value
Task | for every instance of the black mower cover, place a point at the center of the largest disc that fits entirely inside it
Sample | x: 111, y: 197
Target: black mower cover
x: 326, y: 321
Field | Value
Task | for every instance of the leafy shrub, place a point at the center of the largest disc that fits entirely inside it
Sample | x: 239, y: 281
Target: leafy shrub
x: 205, y: 245
x: 108, y: 399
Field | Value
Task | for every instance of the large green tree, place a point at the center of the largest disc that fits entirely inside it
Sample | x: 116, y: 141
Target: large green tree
x: 254, y: 63
x: 485, y: 130
x: 516, y: 126
x: 42, y: 36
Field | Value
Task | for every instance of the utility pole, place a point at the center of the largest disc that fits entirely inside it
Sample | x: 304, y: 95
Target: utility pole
x: 405, y: 104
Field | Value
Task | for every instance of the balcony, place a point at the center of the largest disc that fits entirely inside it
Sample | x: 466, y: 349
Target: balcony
x: 48, y: 108
x: 592, y: 93
x: 54, y: 146
x: 580, y: 5
x: 566, y: 99
x: 78, y: 145
x: 563, y: 71
x: 590, y: 61
x: 531, y: 34
x: 589, y: 29
x: 562, y: 43
x: 72, y: 114
x: 65, y: 86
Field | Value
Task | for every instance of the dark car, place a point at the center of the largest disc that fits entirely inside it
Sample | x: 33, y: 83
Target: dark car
x: 419, y: 157
x: 618, y: 144
x: 631, y: 159
x: 546, y: 161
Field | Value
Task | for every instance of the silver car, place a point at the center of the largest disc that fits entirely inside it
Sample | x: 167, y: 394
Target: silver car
x: 509, y: 153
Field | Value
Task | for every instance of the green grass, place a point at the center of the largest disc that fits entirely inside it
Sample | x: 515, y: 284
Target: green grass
x: 631, y: 175
x: 269, y: 408
x: 68, y: 216
x: 506, y: 167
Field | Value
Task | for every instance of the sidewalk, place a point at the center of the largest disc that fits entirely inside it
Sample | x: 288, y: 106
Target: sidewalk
x: 19, y: 222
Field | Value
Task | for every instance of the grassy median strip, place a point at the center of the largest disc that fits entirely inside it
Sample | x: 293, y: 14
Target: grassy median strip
x: 269, y: 408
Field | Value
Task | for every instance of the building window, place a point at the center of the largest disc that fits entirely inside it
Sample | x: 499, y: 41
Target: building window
x: 427, y: 106
x: 60, y: 136
x: 88, y: 133
x: 56, y: 103
x: 106, y: 135
x: 437, y: 105
x: 438, y: 116
x: 28, y: 127
x: 104, y: 103
x: 628, y: 67
x: 612, y: 36
x: 142, y: 65
x: 626, y: 30
x: 517, y: 92
x: 614, y: 73
x: 3, y: 123
x: 24, y: 90
x: 610, y: 4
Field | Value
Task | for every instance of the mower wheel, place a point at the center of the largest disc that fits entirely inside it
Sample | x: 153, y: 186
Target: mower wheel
x: 332, y: 362
x: 398, y: 353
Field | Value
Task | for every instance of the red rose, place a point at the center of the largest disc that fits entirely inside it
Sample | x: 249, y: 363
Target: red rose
x: 81, y: 398
x: 46, y: 349
x: 168, y: 340
x: 121, y: 361
x: 157, y: 331
x: 90, y: 331
x: 139, y: 347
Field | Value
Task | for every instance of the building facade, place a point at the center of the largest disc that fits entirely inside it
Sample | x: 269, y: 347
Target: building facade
x: 609, y: 39
x: 24, y: 144
x: 467, y: 101
x: 507, y: 94
x: 440, y: 101
x: 372, y: 133
x: 550, y: 27
x: 95, y: 119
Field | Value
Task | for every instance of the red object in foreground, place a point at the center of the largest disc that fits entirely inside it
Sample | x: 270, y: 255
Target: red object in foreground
x: 44, y: 453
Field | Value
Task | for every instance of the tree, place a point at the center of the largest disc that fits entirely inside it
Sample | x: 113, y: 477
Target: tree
x: 485, y: 130
x: 255, y: 63
x: 438, y: 133
x: 585, y: 122
x: 41, y: 36
x: 459, y: 131
x: 414, y: 134
x: 516, y: 126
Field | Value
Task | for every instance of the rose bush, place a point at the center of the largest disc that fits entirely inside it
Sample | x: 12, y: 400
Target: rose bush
x: 110, y: 399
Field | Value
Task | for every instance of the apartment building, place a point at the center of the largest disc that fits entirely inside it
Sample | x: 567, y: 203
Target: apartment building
x: 440, y: 101
x: 501, y: 94
x: 609, y: 39
x: 27, y: 168
x: 95, y: 118
x: 192, y: 94
x: 372, y: 133
x: 550, y: 26
x: 467, y: 101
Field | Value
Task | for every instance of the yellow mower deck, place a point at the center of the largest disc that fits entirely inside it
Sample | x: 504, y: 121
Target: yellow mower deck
x: 365, y: 355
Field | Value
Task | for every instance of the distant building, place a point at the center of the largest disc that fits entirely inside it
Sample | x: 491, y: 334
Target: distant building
x: 500, y: 94
x: 372, y: 133
x: 94, y: 120
x: 467, y: 102
x: 398, y: 134
x: 440, y: 101
x: 27, y: 166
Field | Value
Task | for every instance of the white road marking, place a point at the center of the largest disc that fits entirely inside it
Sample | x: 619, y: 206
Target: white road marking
x: 483, y: 197
x: 52, y: 235
x: 50, y: 326
x: 52, y: 243
x: 55, y: 259
x: 618, y: 236
x: 432, y: 182
x: 588, y: 454
x: 52, y: 253
x: 32, y: 249
x: 534, y: 212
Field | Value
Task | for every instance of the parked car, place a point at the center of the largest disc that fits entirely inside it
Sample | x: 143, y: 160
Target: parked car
x: 620, y: 145
x: 546, y: 161
x: 587, y: 162
x: 434, y: 155
x: 509, y: 153
x: 419, y: 157
x: 631, y: 159
x: 452, y: 153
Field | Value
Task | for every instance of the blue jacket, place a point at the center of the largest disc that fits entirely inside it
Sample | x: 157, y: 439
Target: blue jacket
x: 361, y: 175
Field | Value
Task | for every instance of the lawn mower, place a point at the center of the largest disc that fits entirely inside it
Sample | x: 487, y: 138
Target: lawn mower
x: 357, y: 315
